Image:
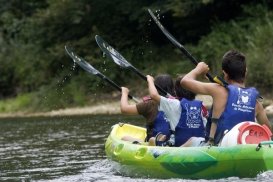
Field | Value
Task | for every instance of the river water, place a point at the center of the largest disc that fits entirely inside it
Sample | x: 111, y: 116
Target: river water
x: 67, y: 149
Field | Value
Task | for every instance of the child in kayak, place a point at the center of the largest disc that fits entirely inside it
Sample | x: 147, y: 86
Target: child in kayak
x: 156, y: 121
x: 186, y: 115
x: 231, y: 105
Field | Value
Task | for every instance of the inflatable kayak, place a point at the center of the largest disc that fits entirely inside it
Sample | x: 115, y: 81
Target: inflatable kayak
x: 207, y: 162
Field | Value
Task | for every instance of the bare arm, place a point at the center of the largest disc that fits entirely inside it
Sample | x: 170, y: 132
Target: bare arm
x: 125, y: 107
x: 261, y: 115
x: 152, y: 89
x: 191, y: 83
x: 218, y: 93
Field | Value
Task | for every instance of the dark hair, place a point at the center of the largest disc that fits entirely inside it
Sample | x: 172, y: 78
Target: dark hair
x: 181, y: 92
x: 165, y: 82
x: 234, y: 64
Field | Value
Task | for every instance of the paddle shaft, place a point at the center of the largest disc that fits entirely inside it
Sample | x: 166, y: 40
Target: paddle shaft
x: 121, y: 61
x: 183, y: 50
x: 216, y: 79
x: 103, y: 77
x: 145, y: 78
x: 193, y: 60
x: 112, y: 83
x: 90, y: 69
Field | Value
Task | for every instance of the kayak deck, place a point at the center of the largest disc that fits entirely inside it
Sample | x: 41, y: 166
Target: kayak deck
x: 208, y: 162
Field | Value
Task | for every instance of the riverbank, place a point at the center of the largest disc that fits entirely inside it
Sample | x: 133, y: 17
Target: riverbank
x: 107, y: 108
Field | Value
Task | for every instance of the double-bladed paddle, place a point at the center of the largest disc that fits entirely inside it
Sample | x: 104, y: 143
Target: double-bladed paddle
x: 90, y: 69
x: 121, y: 61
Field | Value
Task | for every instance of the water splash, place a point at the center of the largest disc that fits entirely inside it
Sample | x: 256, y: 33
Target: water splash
x: 74, y: 66
x: 157, y: 14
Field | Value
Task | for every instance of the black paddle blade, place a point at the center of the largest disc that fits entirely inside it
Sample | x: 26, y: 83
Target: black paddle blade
x: 177, y: 44
x: 166, y: 33
x: 171, y: 38
x: 112, y: 53
x: 80, y: 61
x: 90, y: 69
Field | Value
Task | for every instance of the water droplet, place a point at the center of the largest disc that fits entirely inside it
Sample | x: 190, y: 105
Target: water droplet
x: 74, y: 66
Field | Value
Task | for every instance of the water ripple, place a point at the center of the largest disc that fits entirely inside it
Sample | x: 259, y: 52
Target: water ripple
x: 67, y: 149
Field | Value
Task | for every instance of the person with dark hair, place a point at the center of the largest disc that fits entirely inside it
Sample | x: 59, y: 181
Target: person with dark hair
x: 231, y: 105
x: 156, y: 122
x: 180, y: 92
x: 185, y: 115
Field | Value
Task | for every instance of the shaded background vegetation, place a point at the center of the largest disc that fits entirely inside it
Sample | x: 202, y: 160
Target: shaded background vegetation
x: 37, y: 75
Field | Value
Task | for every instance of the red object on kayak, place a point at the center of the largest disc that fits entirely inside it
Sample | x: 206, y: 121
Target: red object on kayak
x: 246, y: 133
x: 250, y: 133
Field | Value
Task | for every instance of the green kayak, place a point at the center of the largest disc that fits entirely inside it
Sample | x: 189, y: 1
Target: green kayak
x: 208, y: 162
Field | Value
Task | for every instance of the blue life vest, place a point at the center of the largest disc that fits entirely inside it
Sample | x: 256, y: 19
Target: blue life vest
x: 190, y: 123
x: 240, y: 107
x: 159, y: 125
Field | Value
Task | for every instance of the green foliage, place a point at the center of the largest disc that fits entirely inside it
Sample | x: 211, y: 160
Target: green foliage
x: 34, y: 65
x: 259, y: 53
x: 16, y: 104
x: 249, y: 35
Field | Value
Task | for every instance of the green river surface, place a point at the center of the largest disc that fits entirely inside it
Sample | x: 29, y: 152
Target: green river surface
x: 67, y: 149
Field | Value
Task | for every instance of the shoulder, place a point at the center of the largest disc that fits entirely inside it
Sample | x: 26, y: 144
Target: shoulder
x: 146, y: 103
x: 147, y: 109
x: 166, y: 103
x: 217, y: 90
x: 146, y: 98
x: 168, y: 100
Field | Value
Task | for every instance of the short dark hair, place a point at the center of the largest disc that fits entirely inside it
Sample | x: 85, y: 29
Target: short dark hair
x: 181, y: 92
x: 165, y: 82
x: 234, y: 64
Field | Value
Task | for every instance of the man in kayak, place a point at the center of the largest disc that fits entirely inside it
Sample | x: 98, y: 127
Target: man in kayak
x: 156, y: 121
x: 231, y: 105
x: 186, y: 115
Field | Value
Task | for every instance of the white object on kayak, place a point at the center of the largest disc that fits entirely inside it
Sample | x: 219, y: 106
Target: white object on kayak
x: 246, y: 133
